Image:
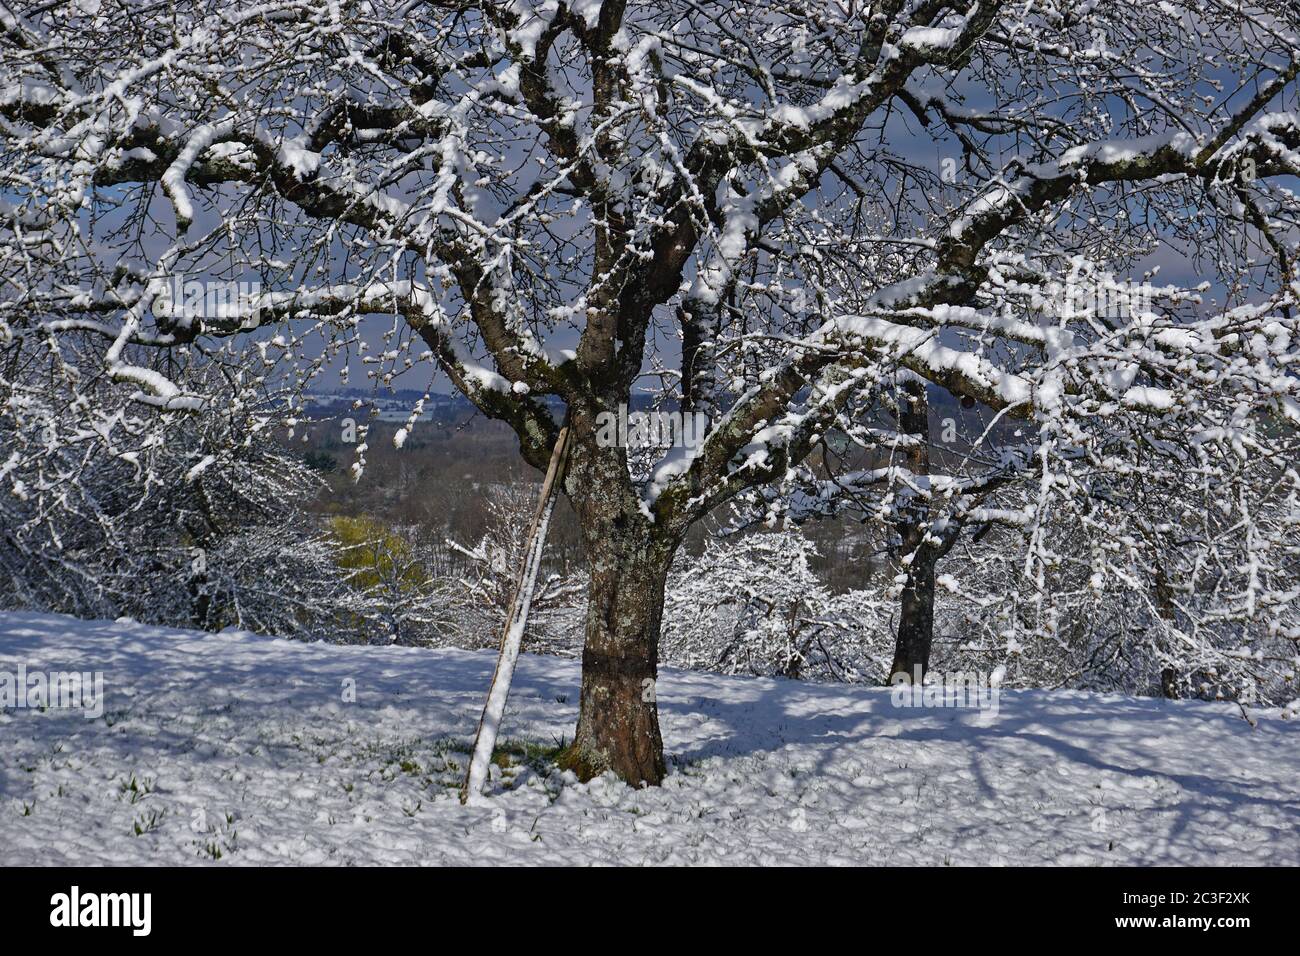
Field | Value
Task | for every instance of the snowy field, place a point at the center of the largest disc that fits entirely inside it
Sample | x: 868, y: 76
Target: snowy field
x: 243, y: 750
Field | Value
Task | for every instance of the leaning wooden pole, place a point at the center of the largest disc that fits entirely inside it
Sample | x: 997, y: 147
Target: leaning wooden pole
x: 512, y: 634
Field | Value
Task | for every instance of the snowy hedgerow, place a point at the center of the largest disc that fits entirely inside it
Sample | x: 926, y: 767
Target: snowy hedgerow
x: 1185, y: 593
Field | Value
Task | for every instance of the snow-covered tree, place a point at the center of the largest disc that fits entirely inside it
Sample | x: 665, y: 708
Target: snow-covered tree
x: 398, y: 596
x: 1157, y: 586
x: 490, y: 575
x: 726, y: 204
x: 1200, y: 534
x: 755, y: 606
x: 198, y: 524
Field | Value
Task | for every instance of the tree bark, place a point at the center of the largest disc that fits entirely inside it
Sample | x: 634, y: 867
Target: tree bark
x: 629, y: 556
x: 618, y: 719
x: 1167, y: 610
x: 916, y: 609
x: 916, y: 619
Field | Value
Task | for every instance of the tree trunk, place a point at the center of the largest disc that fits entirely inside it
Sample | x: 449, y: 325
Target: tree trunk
x: 1167, y: 610
x: 916, y: 619
x: 916, y: 610
x: 618, y: 719
x: 629, y: 556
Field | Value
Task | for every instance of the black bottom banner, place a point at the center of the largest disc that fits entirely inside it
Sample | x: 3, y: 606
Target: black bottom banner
x: 331, y: 906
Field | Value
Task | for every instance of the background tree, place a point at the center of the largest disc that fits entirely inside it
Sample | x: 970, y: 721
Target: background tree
x: 200, y: 523
x: 491, y: 569
x: 752, y: 605
x: 400, y: 597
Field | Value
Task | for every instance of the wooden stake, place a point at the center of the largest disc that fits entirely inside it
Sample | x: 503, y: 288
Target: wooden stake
x: 512, y: 634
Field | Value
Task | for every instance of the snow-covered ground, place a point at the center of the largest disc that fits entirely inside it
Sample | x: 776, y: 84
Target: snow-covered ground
x: 244, y: 748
